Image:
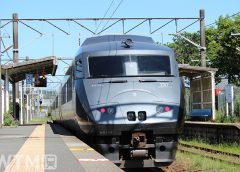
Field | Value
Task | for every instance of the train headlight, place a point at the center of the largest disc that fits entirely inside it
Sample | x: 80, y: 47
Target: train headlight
x: 111, y: 110
x: 163, y: 108
x: 160, y: 109
x: 107, y: 110
x: 142, y: 115
x: 131, y: 116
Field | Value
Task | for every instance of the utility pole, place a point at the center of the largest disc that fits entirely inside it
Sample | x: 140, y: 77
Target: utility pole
x: 15, y: 88
x: 202, y: 38
x: 21, y: 119
x: 1, y: 115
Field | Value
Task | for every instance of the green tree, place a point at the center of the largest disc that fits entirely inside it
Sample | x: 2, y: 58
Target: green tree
x: 222, y: 46
x: 186, y: 52
x: 212, y: 45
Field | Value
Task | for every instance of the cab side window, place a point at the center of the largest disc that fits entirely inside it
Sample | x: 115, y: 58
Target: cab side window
x: 78, y: 69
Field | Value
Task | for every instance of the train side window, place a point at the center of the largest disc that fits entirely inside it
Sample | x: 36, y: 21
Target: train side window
x: 69, y: 89
x: 64, y: 94
x: 56, y: 102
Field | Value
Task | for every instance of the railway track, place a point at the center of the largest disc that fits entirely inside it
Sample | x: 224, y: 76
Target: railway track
x: 210, y: 153
x: 214, y: 154
x: 174, y: 167
x: 178, y: 167
x: 171, y: 168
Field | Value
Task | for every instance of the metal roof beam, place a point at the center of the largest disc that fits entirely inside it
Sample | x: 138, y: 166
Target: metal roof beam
x: 128, y: 18
x: 109, y: 26
x: 83, y: 27
x: 6, y: 24
x: 162, y: 26
x: 30, y: 27
x: 188, y: 26
x: 57, y: 27
x: 136, y: 26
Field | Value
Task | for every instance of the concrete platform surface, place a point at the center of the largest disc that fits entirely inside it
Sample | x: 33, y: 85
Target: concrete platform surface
x: 48, y: 147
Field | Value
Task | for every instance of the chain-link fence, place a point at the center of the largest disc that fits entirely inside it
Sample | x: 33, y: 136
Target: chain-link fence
x: 221, y: 104
x: 221, y: 110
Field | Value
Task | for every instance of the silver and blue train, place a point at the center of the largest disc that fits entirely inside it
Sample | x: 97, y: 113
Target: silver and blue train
x: 124, y: 96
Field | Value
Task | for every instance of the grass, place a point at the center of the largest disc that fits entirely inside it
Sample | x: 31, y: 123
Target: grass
x: 233, y: 148
x: 39, y: 120
x: 196, y: 162
x: 221, y: 117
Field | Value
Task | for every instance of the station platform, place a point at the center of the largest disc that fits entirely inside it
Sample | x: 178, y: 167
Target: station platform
x: 48, y: 147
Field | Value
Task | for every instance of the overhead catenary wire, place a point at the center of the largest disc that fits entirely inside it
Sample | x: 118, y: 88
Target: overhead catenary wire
x: 112, y: 14
x: 226, y: 17
x: 105, y: 15
x: 6, y: 33
x: 117, y: 20
x: 5, y: 48
x: 94, y: 19
x: 31, y: 41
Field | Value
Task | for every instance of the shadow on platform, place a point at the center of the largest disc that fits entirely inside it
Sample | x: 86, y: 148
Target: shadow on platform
x: 58, y: 129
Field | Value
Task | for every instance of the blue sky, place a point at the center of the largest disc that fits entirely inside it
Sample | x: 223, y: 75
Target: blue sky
x: 55, y: 42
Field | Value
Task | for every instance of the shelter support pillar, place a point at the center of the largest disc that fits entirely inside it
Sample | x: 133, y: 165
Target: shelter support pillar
x: 27, y: 114
x: 2, y: 105
x: 1, y: 114
x: 227, y: 112
x: 22, y: 104
x: 213, y: 95
x: 6, y: 92
x: 201, y: 89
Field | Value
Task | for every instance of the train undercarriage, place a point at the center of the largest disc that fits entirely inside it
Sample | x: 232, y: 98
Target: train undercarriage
x: 138, y: 149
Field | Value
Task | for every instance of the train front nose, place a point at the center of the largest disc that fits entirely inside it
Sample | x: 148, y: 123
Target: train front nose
x: 125, y: 106
x: 132, y: 101
x: 134, y: 96
x: 134, y: 106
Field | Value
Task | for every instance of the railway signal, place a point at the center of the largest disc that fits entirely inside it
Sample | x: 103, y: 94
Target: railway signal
x: 40, y: 81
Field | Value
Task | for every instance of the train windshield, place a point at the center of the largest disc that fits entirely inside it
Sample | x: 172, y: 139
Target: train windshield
x: 126, y: 66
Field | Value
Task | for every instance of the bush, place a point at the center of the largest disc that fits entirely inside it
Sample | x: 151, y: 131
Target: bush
x: 9, y: 120
x: 237, y: 106
x: 222, y: 117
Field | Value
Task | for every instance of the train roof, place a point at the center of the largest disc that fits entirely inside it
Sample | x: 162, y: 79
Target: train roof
x: 113, y: 38
x: 111, y: 42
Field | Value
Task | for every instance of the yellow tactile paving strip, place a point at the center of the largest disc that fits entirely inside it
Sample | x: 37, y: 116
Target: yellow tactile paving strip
x: 89, y: 159
x: 81, y: 149
x: 30, y: 157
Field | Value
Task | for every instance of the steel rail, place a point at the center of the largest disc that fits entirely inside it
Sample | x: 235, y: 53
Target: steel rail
x: 210, y: 153
x: 215, y: 151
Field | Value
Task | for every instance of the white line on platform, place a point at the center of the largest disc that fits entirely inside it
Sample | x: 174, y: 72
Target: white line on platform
x: 93, y: 160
